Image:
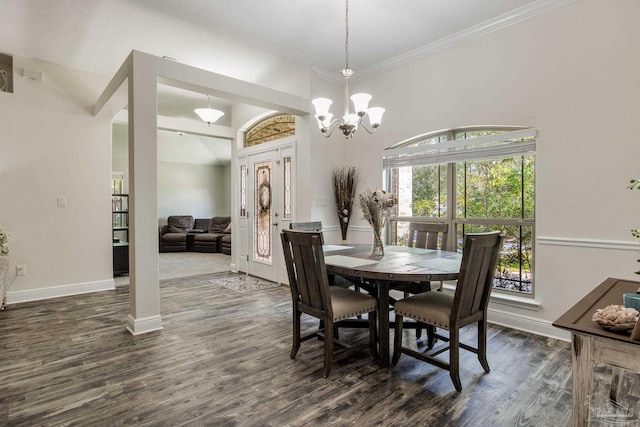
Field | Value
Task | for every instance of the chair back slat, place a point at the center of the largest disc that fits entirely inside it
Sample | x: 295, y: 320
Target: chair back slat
x: 427, y: 236
x: 308, y: 226
x: 479, y: 259
x: 307, y: 271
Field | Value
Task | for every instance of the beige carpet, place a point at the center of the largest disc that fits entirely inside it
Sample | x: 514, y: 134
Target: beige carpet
x: 186, y: 264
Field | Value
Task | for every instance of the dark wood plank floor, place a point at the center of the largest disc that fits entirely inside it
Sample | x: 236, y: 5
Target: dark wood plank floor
x: 222, y: 359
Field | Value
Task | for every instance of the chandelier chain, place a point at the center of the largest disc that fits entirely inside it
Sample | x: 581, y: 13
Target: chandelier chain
x: 346, y: 35
x: 349, y: 123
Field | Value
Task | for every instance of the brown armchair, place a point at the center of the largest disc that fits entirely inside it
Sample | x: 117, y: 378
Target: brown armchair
x: 173, y: 236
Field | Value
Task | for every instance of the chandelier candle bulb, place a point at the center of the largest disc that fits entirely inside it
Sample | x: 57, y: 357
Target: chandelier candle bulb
x: 375, y: 116
x: 361, y: 102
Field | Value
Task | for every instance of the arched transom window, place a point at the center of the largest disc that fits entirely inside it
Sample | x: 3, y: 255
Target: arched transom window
x: 269, y: 129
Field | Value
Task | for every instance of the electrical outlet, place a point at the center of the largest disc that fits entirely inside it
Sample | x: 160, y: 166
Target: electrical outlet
x: 21, y: 270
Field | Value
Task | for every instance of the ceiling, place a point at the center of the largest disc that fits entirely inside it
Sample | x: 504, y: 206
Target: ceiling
x: 98, y: 35
x: 218, y: 35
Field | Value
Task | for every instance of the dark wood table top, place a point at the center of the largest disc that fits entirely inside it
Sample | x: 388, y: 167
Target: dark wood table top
x: 398, y: 264
x: 578, y: 318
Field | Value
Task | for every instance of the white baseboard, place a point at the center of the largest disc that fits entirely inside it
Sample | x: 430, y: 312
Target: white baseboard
x: 527, y: 324
x: 15, y: 297
x: 144, y: 325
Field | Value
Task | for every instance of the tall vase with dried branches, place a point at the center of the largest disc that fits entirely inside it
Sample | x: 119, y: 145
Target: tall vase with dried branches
x: 345, y: 180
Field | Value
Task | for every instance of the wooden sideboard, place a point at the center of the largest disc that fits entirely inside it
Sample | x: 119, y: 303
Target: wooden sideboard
x: 591, y: 345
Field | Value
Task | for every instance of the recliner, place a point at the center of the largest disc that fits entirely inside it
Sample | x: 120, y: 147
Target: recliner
x: 173, y: 236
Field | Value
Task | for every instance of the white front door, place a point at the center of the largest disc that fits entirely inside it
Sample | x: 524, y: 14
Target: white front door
x: 269, y: 203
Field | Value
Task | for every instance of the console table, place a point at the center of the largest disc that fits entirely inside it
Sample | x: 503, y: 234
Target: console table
x: 591, y: 344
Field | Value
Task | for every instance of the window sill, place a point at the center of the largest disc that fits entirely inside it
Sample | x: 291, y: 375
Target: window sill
x: 504, y: 299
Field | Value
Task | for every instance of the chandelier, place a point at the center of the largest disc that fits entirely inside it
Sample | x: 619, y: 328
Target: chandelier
x: 349, y: 123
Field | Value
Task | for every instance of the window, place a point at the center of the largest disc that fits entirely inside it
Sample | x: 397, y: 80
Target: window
x: 475, y: 180
x: 269, y: 129
x: 286, y: 214
x: 243, y: 191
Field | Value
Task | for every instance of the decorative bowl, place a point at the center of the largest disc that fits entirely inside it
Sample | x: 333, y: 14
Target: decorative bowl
x: 616, y: 318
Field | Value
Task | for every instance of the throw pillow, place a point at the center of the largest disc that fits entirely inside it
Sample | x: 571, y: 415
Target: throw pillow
x: 228, y: 229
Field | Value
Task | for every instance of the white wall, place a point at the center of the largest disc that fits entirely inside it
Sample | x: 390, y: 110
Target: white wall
x: 52, y: 146
x: 202, y: 191
x: 573, y: 75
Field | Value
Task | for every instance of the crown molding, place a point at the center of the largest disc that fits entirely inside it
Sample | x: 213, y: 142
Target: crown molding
x: 499, y: 22
x: 331, y: 76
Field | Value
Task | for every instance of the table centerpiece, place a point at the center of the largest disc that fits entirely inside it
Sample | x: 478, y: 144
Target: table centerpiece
x: 375, y: 205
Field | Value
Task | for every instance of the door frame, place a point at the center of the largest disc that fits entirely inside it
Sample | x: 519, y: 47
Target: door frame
x: 279, y: 150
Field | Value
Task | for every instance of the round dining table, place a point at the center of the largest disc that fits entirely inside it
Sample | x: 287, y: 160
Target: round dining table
x: 400, y: 268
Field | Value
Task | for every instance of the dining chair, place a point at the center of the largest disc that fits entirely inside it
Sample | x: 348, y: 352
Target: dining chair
x: 317, y: 226
x: 306, y: 226
x: 428, y: 236
x: 425, y: 236
x: 452, y: 312
x: 311, y: 294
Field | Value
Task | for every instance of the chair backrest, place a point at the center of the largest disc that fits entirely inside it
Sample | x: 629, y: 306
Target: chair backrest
x: 475, y: 281
x: 307, y: 272
x: 426, y: 236
x: 308, y: 226
x: 180, y: 223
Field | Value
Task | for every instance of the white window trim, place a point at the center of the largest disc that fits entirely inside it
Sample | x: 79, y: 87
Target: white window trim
x: 502, y: 145
x: 502, y: 297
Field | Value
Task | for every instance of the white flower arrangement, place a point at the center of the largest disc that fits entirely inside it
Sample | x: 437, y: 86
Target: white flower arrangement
x: 4, y: 243
x: 375, y: 206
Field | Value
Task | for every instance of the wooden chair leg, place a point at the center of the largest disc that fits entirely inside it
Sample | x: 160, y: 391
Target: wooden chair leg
x: 296, y: 333
x: 482, y: 345
x: 431, y: 336
x: 328, y: 350
x: 454, y: 358
x: 397, y: 340
x: 373, y: 334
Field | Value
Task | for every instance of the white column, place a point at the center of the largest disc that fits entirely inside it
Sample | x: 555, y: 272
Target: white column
x: 144, y: 285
